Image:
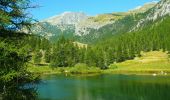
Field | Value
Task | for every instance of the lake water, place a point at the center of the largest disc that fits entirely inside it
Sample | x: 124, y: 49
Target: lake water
x: 104, y: 87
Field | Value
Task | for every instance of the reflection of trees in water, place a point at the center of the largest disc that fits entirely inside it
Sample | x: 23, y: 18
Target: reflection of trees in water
x: 18, y: 93
x: 125, y: 88
x: 23, y: 90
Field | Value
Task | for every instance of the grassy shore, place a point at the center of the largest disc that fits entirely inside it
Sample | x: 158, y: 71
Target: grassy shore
x: 155, y: 62
x: 151, y: 63
x: 73, y: 70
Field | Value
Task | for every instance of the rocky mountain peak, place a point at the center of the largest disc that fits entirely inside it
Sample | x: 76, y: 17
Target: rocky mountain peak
x: 67, y: 18
x: 160, y: 10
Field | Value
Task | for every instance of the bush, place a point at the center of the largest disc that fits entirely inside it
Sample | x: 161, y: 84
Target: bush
x: 82, y: 68
x: 113, y: 66
x: 81, y: 65
x: 104, y: 67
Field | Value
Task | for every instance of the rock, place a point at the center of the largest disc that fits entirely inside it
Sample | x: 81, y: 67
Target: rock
x: 154, y: 74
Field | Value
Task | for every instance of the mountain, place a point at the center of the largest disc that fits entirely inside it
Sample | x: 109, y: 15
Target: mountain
x: 89, y: 29
x: 64, y: 24
x: 117, y: 23
x: 66, y: 18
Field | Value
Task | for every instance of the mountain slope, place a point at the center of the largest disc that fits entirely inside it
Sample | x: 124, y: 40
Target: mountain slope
x: 153, y: 35
x: 158, y: 12
x: 90, y: 29
x: 63, y: 24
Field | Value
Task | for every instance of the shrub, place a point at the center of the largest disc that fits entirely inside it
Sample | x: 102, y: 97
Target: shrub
x: 81, y: 65
x: 113, y: 66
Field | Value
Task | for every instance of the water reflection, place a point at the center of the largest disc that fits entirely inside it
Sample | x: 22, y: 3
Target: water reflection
x: 104, y: 87
x: 132, y: 89
x: 18, y: 93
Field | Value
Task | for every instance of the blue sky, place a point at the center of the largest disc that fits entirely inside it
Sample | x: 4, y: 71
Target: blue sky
x: 90, y: 7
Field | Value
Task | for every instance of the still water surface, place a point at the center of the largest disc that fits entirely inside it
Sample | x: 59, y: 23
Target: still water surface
x: 104, y: 87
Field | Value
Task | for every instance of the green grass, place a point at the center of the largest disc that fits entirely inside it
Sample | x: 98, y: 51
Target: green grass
x: 77, y: 69
x: 42, y: 69
x: 150, y: 62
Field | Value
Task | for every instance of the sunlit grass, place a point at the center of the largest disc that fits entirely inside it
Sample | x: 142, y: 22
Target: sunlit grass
x: 42, y: 69
x: 78, y: 69
x: 150, y: 62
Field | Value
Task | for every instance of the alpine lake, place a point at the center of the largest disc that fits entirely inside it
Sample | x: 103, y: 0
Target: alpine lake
x: 104, y: 87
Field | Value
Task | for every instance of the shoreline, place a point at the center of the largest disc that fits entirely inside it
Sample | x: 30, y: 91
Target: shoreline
x: 125, y: 72
x: 150, y: 63
x: 153, y: 72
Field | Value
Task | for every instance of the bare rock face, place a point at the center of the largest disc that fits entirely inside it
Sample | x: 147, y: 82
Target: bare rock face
x: 160, y: 10
x: 67, y: 18
x: 64, y: 23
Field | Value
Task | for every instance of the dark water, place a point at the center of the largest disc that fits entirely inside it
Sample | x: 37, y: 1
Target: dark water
x: 104, y: 87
